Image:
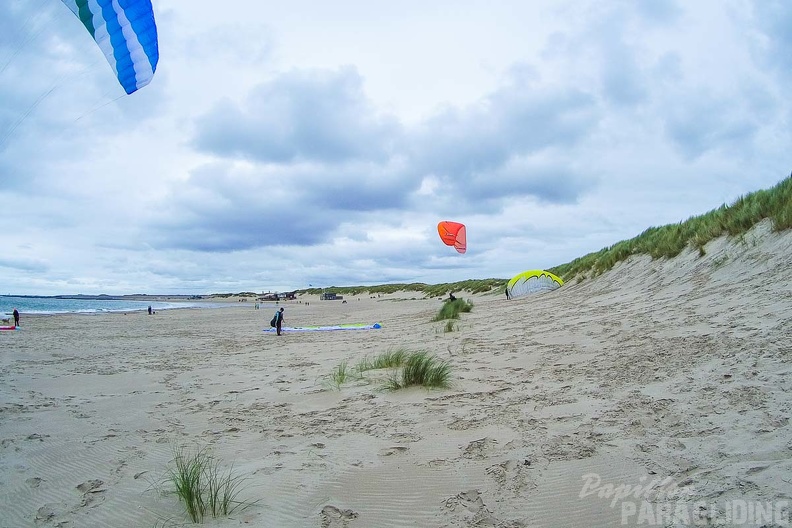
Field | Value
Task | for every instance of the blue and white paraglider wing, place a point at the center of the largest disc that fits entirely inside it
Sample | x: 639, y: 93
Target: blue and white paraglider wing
x: 126, y: 32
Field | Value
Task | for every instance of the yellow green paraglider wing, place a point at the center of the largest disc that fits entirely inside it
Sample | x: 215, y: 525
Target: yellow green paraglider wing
x: 533, y: 281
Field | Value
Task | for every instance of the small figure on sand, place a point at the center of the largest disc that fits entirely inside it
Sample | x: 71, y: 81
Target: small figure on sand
x: 451, y: 297
x: 149, y: 309
x: 279, y: 320
x: 16, y: 317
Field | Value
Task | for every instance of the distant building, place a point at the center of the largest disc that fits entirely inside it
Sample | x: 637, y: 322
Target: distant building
x: 268, y: 297
x: 330, y: 297
x: 289, y: 296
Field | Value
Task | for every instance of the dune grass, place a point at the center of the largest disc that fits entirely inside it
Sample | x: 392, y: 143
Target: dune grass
x: 422, y: 369
x: 430, y: 290
x: 389, y: 359
x: 408, y: 368
x: 202, y: 486
x: 187, y: 479
x: 452, y: 309
x: 449, y: 327
x: 340, y: 375
x: 670, y: 240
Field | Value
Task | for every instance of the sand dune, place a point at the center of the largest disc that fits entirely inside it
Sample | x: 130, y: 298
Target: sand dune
x: 674, y: 371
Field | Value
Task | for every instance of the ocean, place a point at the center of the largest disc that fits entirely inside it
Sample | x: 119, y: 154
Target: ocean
x: 56, y: 305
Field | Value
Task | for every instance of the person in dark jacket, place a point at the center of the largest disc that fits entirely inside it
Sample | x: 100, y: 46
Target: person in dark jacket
x: 16, y: 317
x: 279, y: 320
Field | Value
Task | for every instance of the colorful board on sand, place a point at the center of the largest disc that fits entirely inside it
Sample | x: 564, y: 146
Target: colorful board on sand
x: 330, y: 328
x: 7, y: 327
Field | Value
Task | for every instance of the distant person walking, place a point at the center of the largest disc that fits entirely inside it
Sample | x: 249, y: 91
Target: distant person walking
x: 16, y: 317
x: 279, y: 320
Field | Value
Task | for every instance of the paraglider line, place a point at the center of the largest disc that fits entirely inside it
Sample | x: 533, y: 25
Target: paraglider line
x: 89, y: 112
x: 29, y: 39
x: 26, y: 114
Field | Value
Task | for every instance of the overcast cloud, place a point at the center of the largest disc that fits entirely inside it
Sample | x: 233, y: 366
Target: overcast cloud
x: 287, y: 144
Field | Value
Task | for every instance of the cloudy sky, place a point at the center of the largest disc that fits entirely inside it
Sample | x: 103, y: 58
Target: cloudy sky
x: 282, y: 144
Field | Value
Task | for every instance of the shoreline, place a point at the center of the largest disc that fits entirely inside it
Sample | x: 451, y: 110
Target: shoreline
x: 175, y: 304
x: 164, y: 305
x: 142, y: 311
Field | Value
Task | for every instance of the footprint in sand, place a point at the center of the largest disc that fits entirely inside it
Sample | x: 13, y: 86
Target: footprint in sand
x: 92, y: 492
x: 395, y: 450
x: 34, y: 482
x: 49, y: 511
x: 470, y: 499
x: 333, y: 517
x: 90, y: 485
x: 479, y: 449
x: 513, y: 476
x: 467, y: 508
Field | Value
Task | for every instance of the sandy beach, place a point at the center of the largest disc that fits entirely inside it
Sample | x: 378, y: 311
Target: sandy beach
x: 677, y: 372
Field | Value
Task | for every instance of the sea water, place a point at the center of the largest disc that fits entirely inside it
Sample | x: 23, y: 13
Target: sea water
x: 59, y: 305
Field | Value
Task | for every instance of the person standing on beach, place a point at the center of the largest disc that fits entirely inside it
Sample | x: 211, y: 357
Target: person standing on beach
x: 16, y: 317
x: 279, y: 320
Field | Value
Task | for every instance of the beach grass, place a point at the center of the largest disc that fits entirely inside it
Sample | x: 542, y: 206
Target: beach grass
x: 408, y: 368
x: 202, y: 486
x: 187, y: 479
x: 340, y: 375
x: 223, y: 489
x: 422, y: 369
x: 430, y: 290
x: 452, y: 309
x: 449, y: 327
x: 390, y: 359
x: 670, y: 240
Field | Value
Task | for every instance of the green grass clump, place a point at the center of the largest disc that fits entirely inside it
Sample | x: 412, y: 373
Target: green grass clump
x: 340, y: 375
x: 202, y: 486
x: 421, y: 369
x: 390, y: 359
x: 408, y: 368
x: 452, y: 309
x: 449, y: 327
x: 187, y: 479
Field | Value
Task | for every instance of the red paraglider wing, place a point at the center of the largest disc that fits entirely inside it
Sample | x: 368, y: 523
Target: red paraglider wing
x: 453, y: 234
x: 461, y: 241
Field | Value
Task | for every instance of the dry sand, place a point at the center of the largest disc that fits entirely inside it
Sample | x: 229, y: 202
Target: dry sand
x: 676, y: 370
